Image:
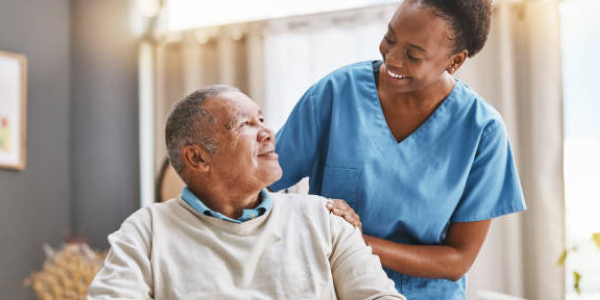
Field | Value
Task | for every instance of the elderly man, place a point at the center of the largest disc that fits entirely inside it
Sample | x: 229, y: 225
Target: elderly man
x: 227, y: 237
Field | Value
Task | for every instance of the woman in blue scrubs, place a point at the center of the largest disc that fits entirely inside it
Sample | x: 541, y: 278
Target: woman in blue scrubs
x: 419, y: 156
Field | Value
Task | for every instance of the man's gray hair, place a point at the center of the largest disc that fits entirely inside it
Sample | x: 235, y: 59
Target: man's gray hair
x: 190, y: 124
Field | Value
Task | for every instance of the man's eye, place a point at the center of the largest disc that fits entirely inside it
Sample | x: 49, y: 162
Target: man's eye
x: 245, y: 124
x: 388, y: 40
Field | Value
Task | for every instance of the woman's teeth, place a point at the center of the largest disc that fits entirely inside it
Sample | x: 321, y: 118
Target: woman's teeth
x: 398, y: 76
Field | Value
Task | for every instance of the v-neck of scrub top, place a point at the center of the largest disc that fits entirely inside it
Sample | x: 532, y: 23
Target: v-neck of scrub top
x: 439, y: 119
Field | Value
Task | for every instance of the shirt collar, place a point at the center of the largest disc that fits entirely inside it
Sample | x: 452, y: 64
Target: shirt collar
x: 247, y: 214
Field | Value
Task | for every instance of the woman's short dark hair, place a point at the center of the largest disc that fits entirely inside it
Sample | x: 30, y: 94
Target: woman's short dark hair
x: 470, y: 20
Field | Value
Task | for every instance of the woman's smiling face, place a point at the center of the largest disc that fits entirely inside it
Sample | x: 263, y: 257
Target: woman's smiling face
x: 416, y: 49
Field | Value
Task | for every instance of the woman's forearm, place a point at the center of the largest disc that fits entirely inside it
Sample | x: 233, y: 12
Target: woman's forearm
x: 449, y: 261
x: 420, y: 261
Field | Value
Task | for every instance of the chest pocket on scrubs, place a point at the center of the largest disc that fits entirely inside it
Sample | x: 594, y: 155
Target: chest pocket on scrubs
x: 341, y: 183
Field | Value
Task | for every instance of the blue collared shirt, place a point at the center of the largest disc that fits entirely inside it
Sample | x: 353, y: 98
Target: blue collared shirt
x: 248, y: 214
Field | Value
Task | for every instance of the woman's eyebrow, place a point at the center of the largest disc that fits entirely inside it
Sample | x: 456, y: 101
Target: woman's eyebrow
x: 391, y: 29
x: 413, y: 46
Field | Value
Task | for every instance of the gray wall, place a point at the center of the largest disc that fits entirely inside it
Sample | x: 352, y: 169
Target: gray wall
x: 82, y: 135
x: 104, y: 117
x: 35, y: 203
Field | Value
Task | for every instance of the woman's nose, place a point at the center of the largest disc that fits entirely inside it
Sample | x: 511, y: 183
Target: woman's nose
x: 395, y: 58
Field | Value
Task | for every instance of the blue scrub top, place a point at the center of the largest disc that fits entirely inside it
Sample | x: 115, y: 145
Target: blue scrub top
x: 456, y: 167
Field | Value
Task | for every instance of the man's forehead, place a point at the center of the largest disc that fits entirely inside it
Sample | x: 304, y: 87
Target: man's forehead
x: 228, y: 101
x: 228, y: 107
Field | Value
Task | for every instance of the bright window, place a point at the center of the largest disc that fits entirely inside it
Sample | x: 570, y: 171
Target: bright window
x: 183, y: 14
x: 581, y: 64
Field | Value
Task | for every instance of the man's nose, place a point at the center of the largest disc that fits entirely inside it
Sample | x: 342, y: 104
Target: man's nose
x: 265, y: 134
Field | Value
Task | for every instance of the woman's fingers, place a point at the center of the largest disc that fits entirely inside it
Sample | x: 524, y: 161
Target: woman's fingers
x: 340, y: 208
x: 354, y: 221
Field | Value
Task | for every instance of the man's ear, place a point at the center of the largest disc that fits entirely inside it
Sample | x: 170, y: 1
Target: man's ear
x: 196, y: 158
x: 456, y: 61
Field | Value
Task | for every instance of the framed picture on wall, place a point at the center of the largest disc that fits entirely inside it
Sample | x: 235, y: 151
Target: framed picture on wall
x: 13, y: 87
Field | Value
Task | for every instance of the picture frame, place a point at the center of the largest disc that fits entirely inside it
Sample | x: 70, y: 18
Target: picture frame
x: 13, y: 110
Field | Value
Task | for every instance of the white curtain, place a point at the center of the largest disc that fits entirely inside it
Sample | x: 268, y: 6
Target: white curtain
x: 518, y: 72
x: 300, y: 51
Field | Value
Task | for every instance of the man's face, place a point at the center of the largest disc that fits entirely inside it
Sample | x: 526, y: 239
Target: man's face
x: 245, y: 153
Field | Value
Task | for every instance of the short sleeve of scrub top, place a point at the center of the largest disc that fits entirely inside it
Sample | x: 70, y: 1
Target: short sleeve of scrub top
x: 456, y: 167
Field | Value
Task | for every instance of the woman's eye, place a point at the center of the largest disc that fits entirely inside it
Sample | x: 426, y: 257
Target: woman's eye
x: 412, y: 57
x: 388, y: 40
x: 261, y: 119
x: 245, y: 124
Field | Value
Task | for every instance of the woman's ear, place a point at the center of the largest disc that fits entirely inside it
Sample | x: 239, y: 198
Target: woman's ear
x: 456, y: 61
x: 196, y: 158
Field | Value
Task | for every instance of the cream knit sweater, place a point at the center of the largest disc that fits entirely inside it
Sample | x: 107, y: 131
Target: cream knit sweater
x: 297, y: 250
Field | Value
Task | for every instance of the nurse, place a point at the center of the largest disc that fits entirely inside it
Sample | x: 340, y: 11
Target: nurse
x: 419, y: 156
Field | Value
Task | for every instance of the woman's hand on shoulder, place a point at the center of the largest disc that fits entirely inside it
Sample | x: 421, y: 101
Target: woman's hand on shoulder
x: 340, y: 208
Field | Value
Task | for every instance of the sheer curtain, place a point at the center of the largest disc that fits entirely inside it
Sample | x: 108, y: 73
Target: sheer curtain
x: 302, y: 50
x: 518, y: 72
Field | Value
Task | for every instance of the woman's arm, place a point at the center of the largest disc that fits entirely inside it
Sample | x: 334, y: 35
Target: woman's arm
x: 449, y: 261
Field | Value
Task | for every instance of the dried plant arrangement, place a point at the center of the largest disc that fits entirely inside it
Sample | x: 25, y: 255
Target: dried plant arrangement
x: 67, y: 273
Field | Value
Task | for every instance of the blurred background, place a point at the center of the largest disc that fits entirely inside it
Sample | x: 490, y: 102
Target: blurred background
x: 102, y: 75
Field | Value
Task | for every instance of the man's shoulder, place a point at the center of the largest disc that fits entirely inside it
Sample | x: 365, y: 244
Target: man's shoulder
x: 145, y: 215
x: 301, y: 203
x: 140, y: 224
x: 313, y: 205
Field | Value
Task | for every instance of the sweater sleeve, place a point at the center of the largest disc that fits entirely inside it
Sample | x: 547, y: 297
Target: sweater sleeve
x: 127, y: 272
x: 357, y: 272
